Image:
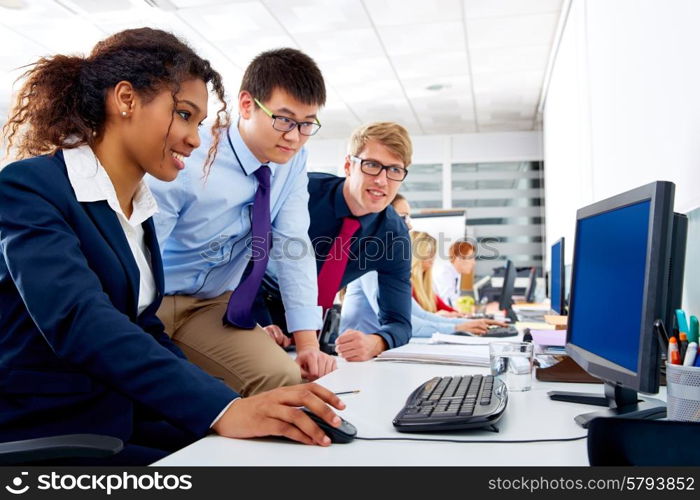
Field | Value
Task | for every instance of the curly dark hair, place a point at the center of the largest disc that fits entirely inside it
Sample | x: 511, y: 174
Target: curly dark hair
x: 61, y: 103
x: 288, y: 69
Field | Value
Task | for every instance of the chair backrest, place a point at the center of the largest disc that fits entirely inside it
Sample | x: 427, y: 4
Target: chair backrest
x: 627, y: 441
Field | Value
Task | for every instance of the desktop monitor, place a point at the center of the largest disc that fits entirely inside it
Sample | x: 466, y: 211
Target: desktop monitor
x: 505, y: 302
x: 676, y: 269
x: 531, y: 284
x: 620, y: 283
x: 557, y: 276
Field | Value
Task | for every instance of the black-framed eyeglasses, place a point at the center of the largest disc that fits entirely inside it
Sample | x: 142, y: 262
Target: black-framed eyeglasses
x: 284, y: 124
x: 373, y: 167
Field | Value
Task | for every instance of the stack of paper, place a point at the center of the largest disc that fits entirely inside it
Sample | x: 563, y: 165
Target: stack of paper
x: 549, y: 341
x: 449, y: 338
x: 471, y: 355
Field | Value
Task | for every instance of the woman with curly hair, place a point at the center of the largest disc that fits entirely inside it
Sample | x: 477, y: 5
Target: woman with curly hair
x: 81, y: 278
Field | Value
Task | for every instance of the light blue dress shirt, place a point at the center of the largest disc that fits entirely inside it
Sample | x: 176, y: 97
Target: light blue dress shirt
x: 204, y: 227
x: 361, y: 308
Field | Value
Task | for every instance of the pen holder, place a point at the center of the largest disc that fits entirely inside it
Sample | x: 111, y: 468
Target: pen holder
x: 683, y: 392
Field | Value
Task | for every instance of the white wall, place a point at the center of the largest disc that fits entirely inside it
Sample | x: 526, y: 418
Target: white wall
x: 326, y: 154
x: 623, y: 106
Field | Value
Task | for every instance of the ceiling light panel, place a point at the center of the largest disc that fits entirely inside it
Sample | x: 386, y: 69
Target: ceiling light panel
x: 357, y: 72
x: 369, y: 91
x: 509, y: 84
x: 185, y: 4
x: 460, y: 104
x: 91, y: 6
x: 243, y: 21
x: 69, y: 36
x: 242, y: 53
x: 512, y: 31
x: 333, y: 100
x: 404, y: 12
x: 343, y: 45
x: 422, y: 38
x: 314, y: 16
x: 501, y: 8
x: 520, y: 58
x: 436, y: 64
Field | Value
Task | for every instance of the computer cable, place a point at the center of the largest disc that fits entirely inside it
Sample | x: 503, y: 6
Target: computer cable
x: 472, y: 441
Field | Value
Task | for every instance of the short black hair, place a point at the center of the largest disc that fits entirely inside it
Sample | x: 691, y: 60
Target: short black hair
x: 288, y: 69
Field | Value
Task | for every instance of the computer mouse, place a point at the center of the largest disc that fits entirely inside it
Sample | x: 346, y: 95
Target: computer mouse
x: 343, y: 434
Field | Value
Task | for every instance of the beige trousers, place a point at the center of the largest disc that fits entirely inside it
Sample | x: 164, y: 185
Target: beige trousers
x: 249, y: 361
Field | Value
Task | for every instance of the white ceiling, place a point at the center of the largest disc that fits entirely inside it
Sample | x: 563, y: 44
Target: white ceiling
x: 379, y: 57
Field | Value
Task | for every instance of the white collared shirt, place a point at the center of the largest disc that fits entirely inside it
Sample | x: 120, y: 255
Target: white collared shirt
x: 446, y: 282
x: 91, y: 183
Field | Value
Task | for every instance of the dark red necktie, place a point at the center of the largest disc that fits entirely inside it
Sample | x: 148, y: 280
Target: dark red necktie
x: 240, y: 304
x: 333, y: 268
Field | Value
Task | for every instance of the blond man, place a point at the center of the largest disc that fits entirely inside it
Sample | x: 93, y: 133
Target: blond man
x: 354, y: 230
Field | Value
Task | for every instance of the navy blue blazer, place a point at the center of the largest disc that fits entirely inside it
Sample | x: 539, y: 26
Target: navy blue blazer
x: 381, y: 244
x: 74, y: 354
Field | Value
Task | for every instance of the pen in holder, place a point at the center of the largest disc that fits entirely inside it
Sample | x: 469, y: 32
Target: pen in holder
x: 683, y: 392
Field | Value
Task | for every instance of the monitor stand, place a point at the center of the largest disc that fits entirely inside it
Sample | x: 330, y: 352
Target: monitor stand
x: 620, y: 401
x: 510, y: 314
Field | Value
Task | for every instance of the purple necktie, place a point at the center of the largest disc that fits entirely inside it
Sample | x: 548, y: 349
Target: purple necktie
x: 238, y: 312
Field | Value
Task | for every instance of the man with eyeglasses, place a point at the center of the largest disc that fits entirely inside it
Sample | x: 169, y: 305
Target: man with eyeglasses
x: 353, y: 231
x: 218, y: 232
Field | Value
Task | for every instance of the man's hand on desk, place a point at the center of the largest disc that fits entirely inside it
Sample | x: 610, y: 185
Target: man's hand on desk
x: 353, y: 345
x: 313, y: 362
x: 277, y: 413
x: 478, y: 326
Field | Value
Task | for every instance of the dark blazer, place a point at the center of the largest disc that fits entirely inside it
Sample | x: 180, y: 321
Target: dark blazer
x: 381, y: 244
x: 74, y: 354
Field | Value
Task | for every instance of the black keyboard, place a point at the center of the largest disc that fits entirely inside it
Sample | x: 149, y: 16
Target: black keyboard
x: 453, y: 403
x: 501, y: 331
x: 495, y: 331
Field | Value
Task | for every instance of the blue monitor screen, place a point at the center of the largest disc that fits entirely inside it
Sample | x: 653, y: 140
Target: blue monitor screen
x: 555, y: 273
x: 608, y: 283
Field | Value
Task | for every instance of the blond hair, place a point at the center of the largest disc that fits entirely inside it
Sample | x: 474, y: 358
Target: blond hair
x: 423, y: 248
x: 389, y: 134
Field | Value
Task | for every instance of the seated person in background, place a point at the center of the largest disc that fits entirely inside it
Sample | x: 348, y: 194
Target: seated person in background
x: 424, y: 248
x: 447, y: 275
x: 361, y: 307
x: 353, y: 231
x: 81, y: 278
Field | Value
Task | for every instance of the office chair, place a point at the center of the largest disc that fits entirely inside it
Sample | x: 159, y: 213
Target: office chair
x: 59, y: 447
x: 627, y: 441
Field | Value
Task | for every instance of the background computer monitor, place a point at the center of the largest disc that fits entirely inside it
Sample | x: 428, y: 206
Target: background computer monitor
x: 676, y: 269
x: 531, y: 284
x: 619, y: 287
x: 557, y: 276
x: 505, y: 302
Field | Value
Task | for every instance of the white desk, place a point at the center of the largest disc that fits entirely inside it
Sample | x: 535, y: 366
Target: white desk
x: 384, y: 388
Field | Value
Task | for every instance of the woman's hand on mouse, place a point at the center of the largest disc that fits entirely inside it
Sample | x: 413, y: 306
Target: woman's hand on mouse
x: 277, y: 413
